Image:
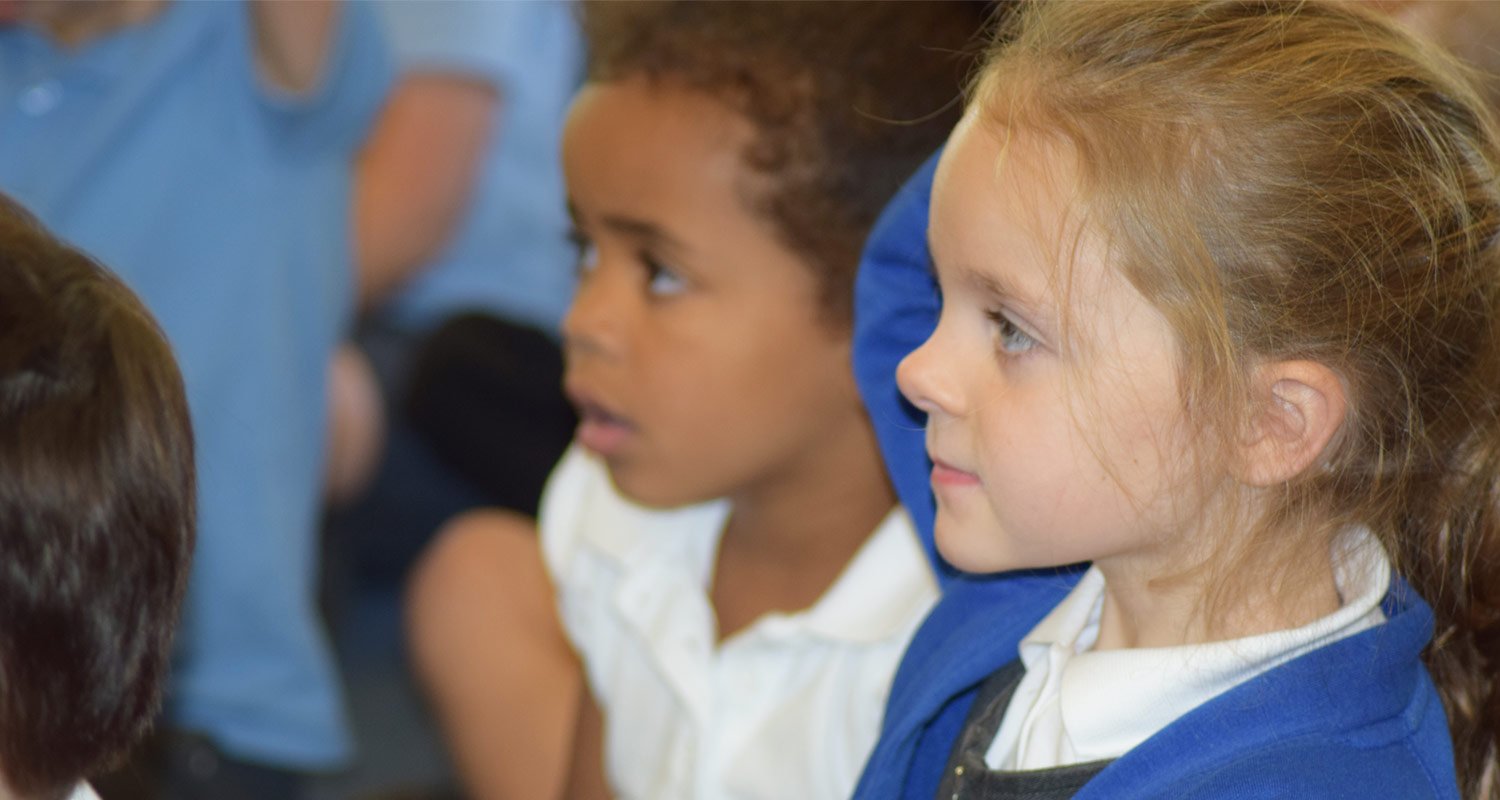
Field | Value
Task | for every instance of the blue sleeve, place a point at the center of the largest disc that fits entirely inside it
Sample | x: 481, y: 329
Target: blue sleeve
x: 338, y: 113
x: 494, y: 41
x: 896, y: 308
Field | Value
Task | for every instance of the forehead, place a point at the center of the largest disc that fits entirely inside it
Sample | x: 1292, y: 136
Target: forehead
x: 1009, y: 218
x: 673, y: 160
x: 655, y: 148
x: 1003, y: 207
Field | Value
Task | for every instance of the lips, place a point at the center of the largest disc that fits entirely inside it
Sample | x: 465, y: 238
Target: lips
x: 944, y: 474
x: 600, y: 429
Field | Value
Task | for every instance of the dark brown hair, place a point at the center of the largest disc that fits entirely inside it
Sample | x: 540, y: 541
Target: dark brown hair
x: 96, y: 511
x: 1302, y: 180
x: 847, y: 99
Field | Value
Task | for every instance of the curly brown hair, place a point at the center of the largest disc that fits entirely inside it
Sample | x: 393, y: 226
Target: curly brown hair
x: 847, y: 99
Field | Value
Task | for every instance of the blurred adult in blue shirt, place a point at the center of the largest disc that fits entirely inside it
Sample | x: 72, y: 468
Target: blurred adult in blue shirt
x: 204, y: 151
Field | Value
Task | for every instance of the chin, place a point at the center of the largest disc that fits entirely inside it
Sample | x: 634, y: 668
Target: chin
x: 651, y: 491
x: 970, y: 551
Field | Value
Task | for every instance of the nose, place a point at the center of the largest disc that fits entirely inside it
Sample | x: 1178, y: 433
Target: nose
x: 595, y: 322
x: 926, y: 381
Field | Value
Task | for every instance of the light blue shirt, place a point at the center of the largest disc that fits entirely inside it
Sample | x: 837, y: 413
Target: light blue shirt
x: 510, y: 256
x: 226, y: 207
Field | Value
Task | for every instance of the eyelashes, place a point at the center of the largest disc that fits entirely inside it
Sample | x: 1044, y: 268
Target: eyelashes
x: 1009, y: 339
x: 661, y: 280
x: 587, y: 255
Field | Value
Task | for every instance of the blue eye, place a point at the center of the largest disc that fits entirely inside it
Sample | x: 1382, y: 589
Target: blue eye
x: 661, y: 280
x: 1009, y: 338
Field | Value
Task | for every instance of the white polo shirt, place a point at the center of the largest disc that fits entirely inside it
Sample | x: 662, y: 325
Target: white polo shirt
x: 789, y: 707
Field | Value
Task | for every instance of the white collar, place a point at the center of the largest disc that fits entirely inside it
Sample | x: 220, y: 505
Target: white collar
x: 885, y: 583
x: 1075, y: 705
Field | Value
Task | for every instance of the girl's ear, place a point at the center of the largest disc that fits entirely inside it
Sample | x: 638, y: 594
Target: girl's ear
x: 1298, y: 406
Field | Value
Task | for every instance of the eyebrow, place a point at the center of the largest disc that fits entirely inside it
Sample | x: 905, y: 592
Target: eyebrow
x: 1037, y: 310
x: 648, y: 233
x: 984, y: 283
x: 977, y: 280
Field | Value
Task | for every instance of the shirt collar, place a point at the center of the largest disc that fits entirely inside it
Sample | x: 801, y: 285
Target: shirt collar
x: 887, y: 586
x: 100, y: 61
x: 1111, y: 701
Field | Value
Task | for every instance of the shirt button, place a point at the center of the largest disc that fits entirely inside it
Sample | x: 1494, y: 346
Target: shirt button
x: 40, y: 98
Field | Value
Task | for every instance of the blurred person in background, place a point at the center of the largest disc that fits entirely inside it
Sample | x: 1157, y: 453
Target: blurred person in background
x: 449, y: 396
x: 204, y: 150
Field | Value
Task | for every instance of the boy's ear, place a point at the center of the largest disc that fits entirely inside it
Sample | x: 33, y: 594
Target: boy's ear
x: 1298, y: 406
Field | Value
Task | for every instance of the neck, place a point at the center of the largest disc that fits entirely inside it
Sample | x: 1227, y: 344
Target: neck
x: 788, y: 539
x: 827, y: 503
x: 74, y: 23
x: 1145, y: 605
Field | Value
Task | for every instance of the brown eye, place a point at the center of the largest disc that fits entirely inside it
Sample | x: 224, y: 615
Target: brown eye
x: 662, y: 280
x: 587, y: 256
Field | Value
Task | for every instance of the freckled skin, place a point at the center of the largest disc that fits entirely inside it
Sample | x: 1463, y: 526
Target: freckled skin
x: 1047, y: 455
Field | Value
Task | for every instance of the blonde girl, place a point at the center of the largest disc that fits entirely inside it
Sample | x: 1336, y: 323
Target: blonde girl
x: 1221, y: 321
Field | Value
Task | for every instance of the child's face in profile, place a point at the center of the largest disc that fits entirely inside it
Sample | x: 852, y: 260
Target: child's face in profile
x: 1046, y: 450
x: 695, y: 351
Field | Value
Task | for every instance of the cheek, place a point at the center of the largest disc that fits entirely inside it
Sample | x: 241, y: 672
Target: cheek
x: 686, y: 396
x: 679, y: 408
x: 1050, y: 468
x: 1144, y: 439
x: 1126, y: 475
x: 1033, y: 462
x: 709, y: 390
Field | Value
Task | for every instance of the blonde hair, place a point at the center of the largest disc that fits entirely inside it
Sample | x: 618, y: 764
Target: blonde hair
x: 1288, y: 180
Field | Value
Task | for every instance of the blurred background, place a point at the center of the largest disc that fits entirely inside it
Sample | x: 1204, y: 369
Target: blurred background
x: 349, y: 220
